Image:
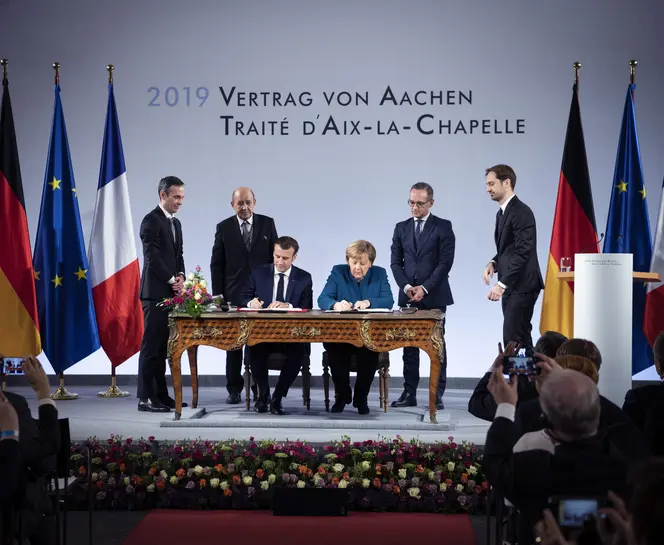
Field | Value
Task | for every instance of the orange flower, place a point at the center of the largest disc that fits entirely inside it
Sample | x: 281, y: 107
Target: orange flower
x: 448, y: 482
x: 376, y: 482
x: 153, y: 471
x: 180, y: 473
x: 321, y: 470
x: 259, y: 473
x: 335, y: 480
x: 227, y: 492
x: 303, y: 470
x: 346, y: 476
x: 396, y: 489
x: 419, y: 469
x: 123, y: 468
x: 160, y: 484
x: 485, y: 485
x: 309, y: 473
x: 203, y: 483
x: 82, y: 470
x: 219, y: 468
x: 236, y: 479
x: 464, y: 478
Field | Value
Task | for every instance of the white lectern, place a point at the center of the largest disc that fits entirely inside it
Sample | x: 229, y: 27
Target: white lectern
x: 603, y: 295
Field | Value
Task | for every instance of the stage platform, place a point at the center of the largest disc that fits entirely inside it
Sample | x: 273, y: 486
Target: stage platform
x: 90, y: 415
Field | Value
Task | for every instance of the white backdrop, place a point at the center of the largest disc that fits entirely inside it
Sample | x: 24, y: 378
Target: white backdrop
x: 514, y: 58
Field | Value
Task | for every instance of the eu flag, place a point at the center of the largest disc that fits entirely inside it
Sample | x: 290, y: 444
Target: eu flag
x: 64, y: 298
x: 628, y: 225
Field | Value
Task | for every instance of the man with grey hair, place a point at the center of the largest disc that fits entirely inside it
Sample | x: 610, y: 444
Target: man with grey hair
x: 422, y: 257
x: 577, y: 462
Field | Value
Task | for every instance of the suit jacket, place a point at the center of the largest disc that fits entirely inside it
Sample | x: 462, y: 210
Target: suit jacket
x: 231, y: 263
x: 426, y: 265
x: 260, y: 283
x: 645, y: 407
x: 527, y: 479
x: 482, y: 404
x: 516, y: 249
x: 10, y: 458
x: 162, y: 256
x: 614, y: 424
x: 341, y: 285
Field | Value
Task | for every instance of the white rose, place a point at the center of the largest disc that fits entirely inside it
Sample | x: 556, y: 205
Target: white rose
x: 187, y: 285
x: 248, y: 480
x: 272, y: 478
x: 265, y: 485
x: 198, y: 470
x: 126, y: 481
x: 402, y: 473
x: 214, y: 483
x: 224, y: 485
x: 94, y: 477
x: 472, y: 470
x: 203, y: 284
x: 459, y: 488
x: 163, y: 474
x: 443, y: 487
x: 338, y: 468
x: 366, y: 465
x: 174, y: 480
x: 151, y: 488
x: 343, y: 483
x: 414, y: 492
x: 197, y: 296
x: 191, y: 276
x: 450, y: 466
x: 365, y: 483
x: 301, y: 484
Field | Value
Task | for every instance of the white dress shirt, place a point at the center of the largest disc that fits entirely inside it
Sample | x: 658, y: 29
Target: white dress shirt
x: 276, y: 283
x: 168, y: 215
x: 503, y: 207
x: 424, y: 222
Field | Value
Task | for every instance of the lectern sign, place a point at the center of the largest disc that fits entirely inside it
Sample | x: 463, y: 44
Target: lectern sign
x: 603, y: 288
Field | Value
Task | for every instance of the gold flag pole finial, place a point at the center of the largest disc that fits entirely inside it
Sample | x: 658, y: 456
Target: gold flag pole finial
x: 110, y: 69
x: 576, y: 65
x: 56, y: 67
x: 632, y: 70
x: 4, y: 63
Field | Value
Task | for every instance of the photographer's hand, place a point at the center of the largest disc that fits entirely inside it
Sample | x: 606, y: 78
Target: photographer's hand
x: 549, y: 532
x: 36, y: 377
x: 620, y: 519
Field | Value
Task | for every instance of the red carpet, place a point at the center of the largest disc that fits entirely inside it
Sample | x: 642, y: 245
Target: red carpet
x: 172, y: 527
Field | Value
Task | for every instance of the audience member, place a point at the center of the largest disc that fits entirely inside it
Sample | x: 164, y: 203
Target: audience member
x: 580, y: 464
x: 481, y: 403
x: 645, y: 405
x: 10, y: 455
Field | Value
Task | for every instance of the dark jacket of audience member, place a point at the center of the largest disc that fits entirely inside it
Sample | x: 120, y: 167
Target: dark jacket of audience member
x: 482, y: 404
x: 10, y: 460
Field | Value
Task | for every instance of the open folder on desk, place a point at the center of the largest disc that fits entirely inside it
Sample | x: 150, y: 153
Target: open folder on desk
x: 383, y: 310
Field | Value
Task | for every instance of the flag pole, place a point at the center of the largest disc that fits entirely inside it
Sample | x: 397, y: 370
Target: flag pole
x: 113, y: 390
x: 4, y: 63
x: 576, y: 65
x: 61, y: 394
x: 632, y: 71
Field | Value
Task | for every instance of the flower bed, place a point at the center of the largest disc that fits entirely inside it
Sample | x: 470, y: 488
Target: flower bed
x: 386, y: 475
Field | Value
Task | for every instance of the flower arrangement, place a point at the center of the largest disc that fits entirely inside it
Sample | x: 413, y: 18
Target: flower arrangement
x: 385, y: 475
x: 194, y: 297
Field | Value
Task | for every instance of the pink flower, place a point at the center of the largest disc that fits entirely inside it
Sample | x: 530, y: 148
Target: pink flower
x: 198, y: 268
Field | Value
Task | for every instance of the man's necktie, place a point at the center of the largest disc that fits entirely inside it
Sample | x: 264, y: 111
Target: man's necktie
x: 172, y: 221
x: 246, y: 235
x: 418, y: 231
x: 280, y: 288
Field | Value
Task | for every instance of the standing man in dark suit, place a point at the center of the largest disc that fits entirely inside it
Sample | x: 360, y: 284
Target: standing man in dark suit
x: 162, y: 278
x: 515, y: 263
x: 280, y: 285
x: 242, y: 242
x: 422, y: 257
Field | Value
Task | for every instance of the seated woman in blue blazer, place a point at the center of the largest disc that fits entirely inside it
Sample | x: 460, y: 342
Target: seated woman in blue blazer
x: 355, y: 285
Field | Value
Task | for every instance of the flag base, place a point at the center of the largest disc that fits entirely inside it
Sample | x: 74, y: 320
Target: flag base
x: 62, y: 394
x: 113, y: 390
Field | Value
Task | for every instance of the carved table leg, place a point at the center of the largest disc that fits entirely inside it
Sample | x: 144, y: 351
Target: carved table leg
x: 192, y: 353
x: 177, y: 383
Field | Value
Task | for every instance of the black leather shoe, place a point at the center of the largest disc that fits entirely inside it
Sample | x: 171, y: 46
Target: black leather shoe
x: 261, y: 404
x: 170, y: 403
x: 338, y: 406
x: 152, y: 406
x: 234, y: 399
x: 362, y: 406
x: 275, y: 406
x: 406, y: 400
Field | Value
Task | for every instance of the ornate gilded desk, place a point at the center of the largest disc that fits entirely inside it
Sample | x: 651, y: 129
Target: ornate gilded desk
x: 380, y: 332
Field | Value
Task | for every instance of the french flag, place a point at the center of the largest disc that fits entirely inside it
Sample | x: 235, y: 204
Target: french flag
x: 113, y: 261
x: 653, y: 319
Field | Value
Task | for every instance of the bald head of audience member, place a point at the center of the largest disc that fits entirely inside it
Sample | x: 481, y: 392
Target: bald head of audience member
x: 570, y: 402
x: 243, y: 202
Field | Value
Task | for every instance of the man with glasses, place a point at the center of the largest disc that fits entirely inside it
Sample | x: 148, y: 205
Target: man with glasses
x: 242, y: 242
x: 422, y: 257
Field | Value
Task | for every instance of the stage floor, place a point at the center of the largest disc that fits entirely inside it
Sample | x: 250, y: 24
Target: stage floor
x: 214, y: 420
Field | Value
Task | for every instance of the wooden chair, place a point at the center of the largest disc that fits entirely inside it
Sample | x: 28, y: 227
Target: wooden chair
x: 275, y: 362
x: 383, y: 377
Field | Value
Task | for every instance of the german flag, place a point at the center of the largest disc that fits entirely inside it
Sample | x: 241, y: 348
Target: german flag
x: 19, y: 324
x: 574, y: 227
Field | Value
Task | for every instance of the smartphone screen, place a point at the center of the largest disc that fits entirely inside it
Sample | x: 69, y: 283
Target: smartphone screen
x: 520, y: 365
x: 12, y: 366
x: 574, y: 512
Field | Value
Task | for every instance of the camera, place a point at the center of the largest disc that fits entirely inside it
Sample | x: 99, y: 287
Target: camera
x: 12, y: 366
x: 521, y: 364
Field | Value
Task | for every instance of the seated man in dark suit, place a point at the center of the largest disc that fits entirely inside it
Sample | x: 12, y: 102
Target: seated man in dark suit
x: 645, y: 405
x: 278, y: 285
x: 580, y: 464
x: 482, y: 405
